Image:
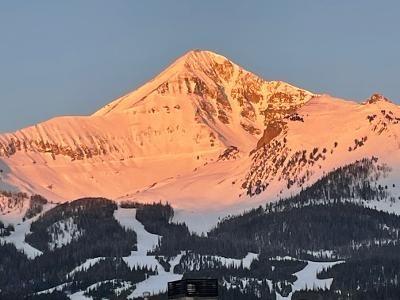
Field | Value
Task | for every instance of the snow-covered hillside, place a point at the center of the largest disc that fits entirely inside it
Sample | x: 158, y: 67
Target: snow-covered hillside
x: 323, y: 135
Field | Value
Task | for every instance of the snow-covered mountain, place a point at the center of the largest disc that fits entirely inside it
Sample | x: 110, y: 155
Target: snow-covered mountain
x: 184, y: 118
x: 204, y: 135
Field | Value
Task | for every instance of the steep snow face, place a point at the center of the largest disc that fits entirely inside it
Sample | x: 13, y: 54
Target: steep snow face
x: 181, y: 120
x: 322, y: 135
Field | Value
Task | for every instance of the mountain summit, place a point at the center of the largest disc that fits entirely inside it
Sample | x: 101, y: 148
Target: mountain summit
x: 375, y: 98
x: 213, y: 78
x: 195, y: 64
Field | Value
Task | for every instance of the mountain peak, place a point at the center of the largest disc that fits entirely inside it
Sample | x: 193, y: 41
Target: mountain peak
x: 199, y: 55
x: 215, y: 85
x: 202, y: 66
x: 375, y: 98
x: 199, y: 60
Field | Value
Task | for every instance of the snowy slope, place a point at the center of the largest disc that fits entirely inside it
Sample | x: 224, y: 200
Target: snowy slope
x: 322, y: 135
x: 22, y: 228
x: 307, y: 278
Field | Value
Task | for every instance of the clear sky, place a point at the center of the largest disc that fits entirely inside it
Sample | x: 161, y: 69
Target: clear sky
x: 72, y: 57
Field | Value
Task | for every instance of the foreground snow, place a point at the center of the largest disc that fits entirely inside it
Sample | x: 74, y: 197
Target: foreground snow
x: 307, y: 278
x: 22, y: 228
x: 156, y: 284
x: 145, y: 240
x: 236, y: 263
x: 17, y: 238
x: 86, y: 265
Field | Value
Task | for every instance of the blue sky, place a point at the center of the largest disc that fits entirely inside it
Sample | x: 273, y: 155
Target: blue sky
x: 71, y: 57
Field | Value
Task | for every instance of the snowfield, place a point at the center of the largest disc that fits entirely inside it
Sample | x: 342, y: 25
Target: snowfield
x: 145, y: 240
x: 307, y: 278
x: 158, y: 283
x: 236, y: 263
x: 17, y: 238
x: 86, y: 265
x: 22, y: 228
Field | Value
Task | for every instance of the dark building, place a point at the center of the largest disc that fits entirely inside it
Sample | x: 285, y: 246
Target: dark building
x: 193, y: 289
